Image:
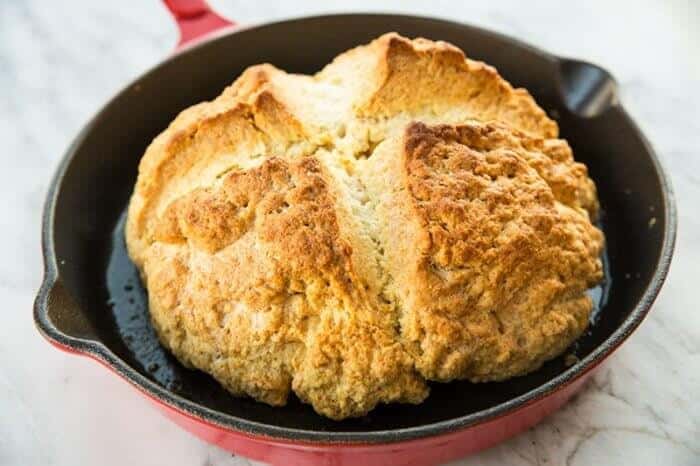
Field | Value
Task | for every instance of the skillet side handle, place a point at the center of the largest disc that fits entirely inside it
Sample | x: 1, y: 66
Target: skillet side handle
x: 195, y: 19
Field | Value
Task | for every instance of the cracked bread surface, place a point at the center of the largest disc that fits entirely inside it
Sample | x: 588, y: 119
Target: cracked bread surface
x: 404, y: 215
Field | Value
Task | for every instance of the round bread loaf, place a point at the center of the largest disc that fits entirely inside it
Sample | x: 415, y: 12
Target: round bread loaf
x: 404, y: 215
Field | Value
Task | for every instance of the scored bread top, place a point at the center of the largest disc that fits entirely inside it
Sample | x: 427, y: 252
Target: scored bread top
x: 306, y: 233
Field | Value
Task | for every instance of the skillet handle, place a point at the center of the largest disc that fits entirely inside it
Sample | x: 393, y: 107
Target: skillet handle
x: 195, y: 19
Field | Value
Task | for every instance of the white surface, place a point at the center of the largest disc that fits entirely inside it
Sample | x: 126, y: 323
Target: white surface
x: 59, y: 61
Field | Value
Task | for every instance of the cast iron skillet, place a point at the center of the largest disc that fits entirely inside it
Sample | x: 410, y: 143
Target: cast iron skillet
x: 92, y: 302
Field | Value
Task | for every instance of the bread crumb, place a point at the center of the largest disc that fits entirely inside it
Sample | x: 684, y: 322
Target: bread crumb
x: 570, y: 359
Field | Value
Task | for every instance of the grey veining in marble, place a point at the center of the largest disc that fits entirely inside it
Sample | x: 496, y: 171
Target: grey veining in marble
x: 59, y: 61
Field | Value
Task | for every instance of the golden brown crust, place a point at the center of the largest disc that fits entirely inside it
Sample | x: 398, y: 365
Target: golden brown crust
x: 253, y: 281
x: 297, y: 233
x: 495, y: 281
x: 422, y: 77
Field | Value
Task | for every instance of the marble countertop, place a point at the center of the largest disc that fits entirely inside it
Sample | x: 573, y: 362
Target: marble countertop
x: 59, y: 61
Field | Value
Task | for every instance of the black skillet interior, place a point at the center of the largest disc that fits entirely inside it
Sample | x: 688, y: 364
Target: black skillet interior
x: 110, y: 304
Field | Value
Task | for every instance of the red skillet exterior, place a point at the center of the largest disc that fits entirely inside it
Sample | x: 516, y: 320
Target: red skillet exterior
x: 419, y: 452
x: 195, y: 20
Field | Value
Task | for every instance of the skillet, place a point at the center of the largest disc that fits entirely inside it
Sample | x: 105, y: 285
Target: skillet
x: 92, y: 303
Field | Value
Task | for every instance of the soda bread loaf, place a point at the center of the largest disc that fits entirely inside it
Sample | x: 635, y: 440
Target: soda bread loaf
x: 403, y: 215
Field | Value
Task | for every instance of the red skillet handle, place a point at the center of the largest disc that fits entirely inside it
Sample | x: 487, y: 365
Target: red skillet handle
x: 195, y: 19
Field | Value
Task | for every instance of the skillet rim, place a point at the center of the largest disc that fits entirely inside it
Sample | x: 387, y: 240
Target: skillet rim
x: 99, y: 351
